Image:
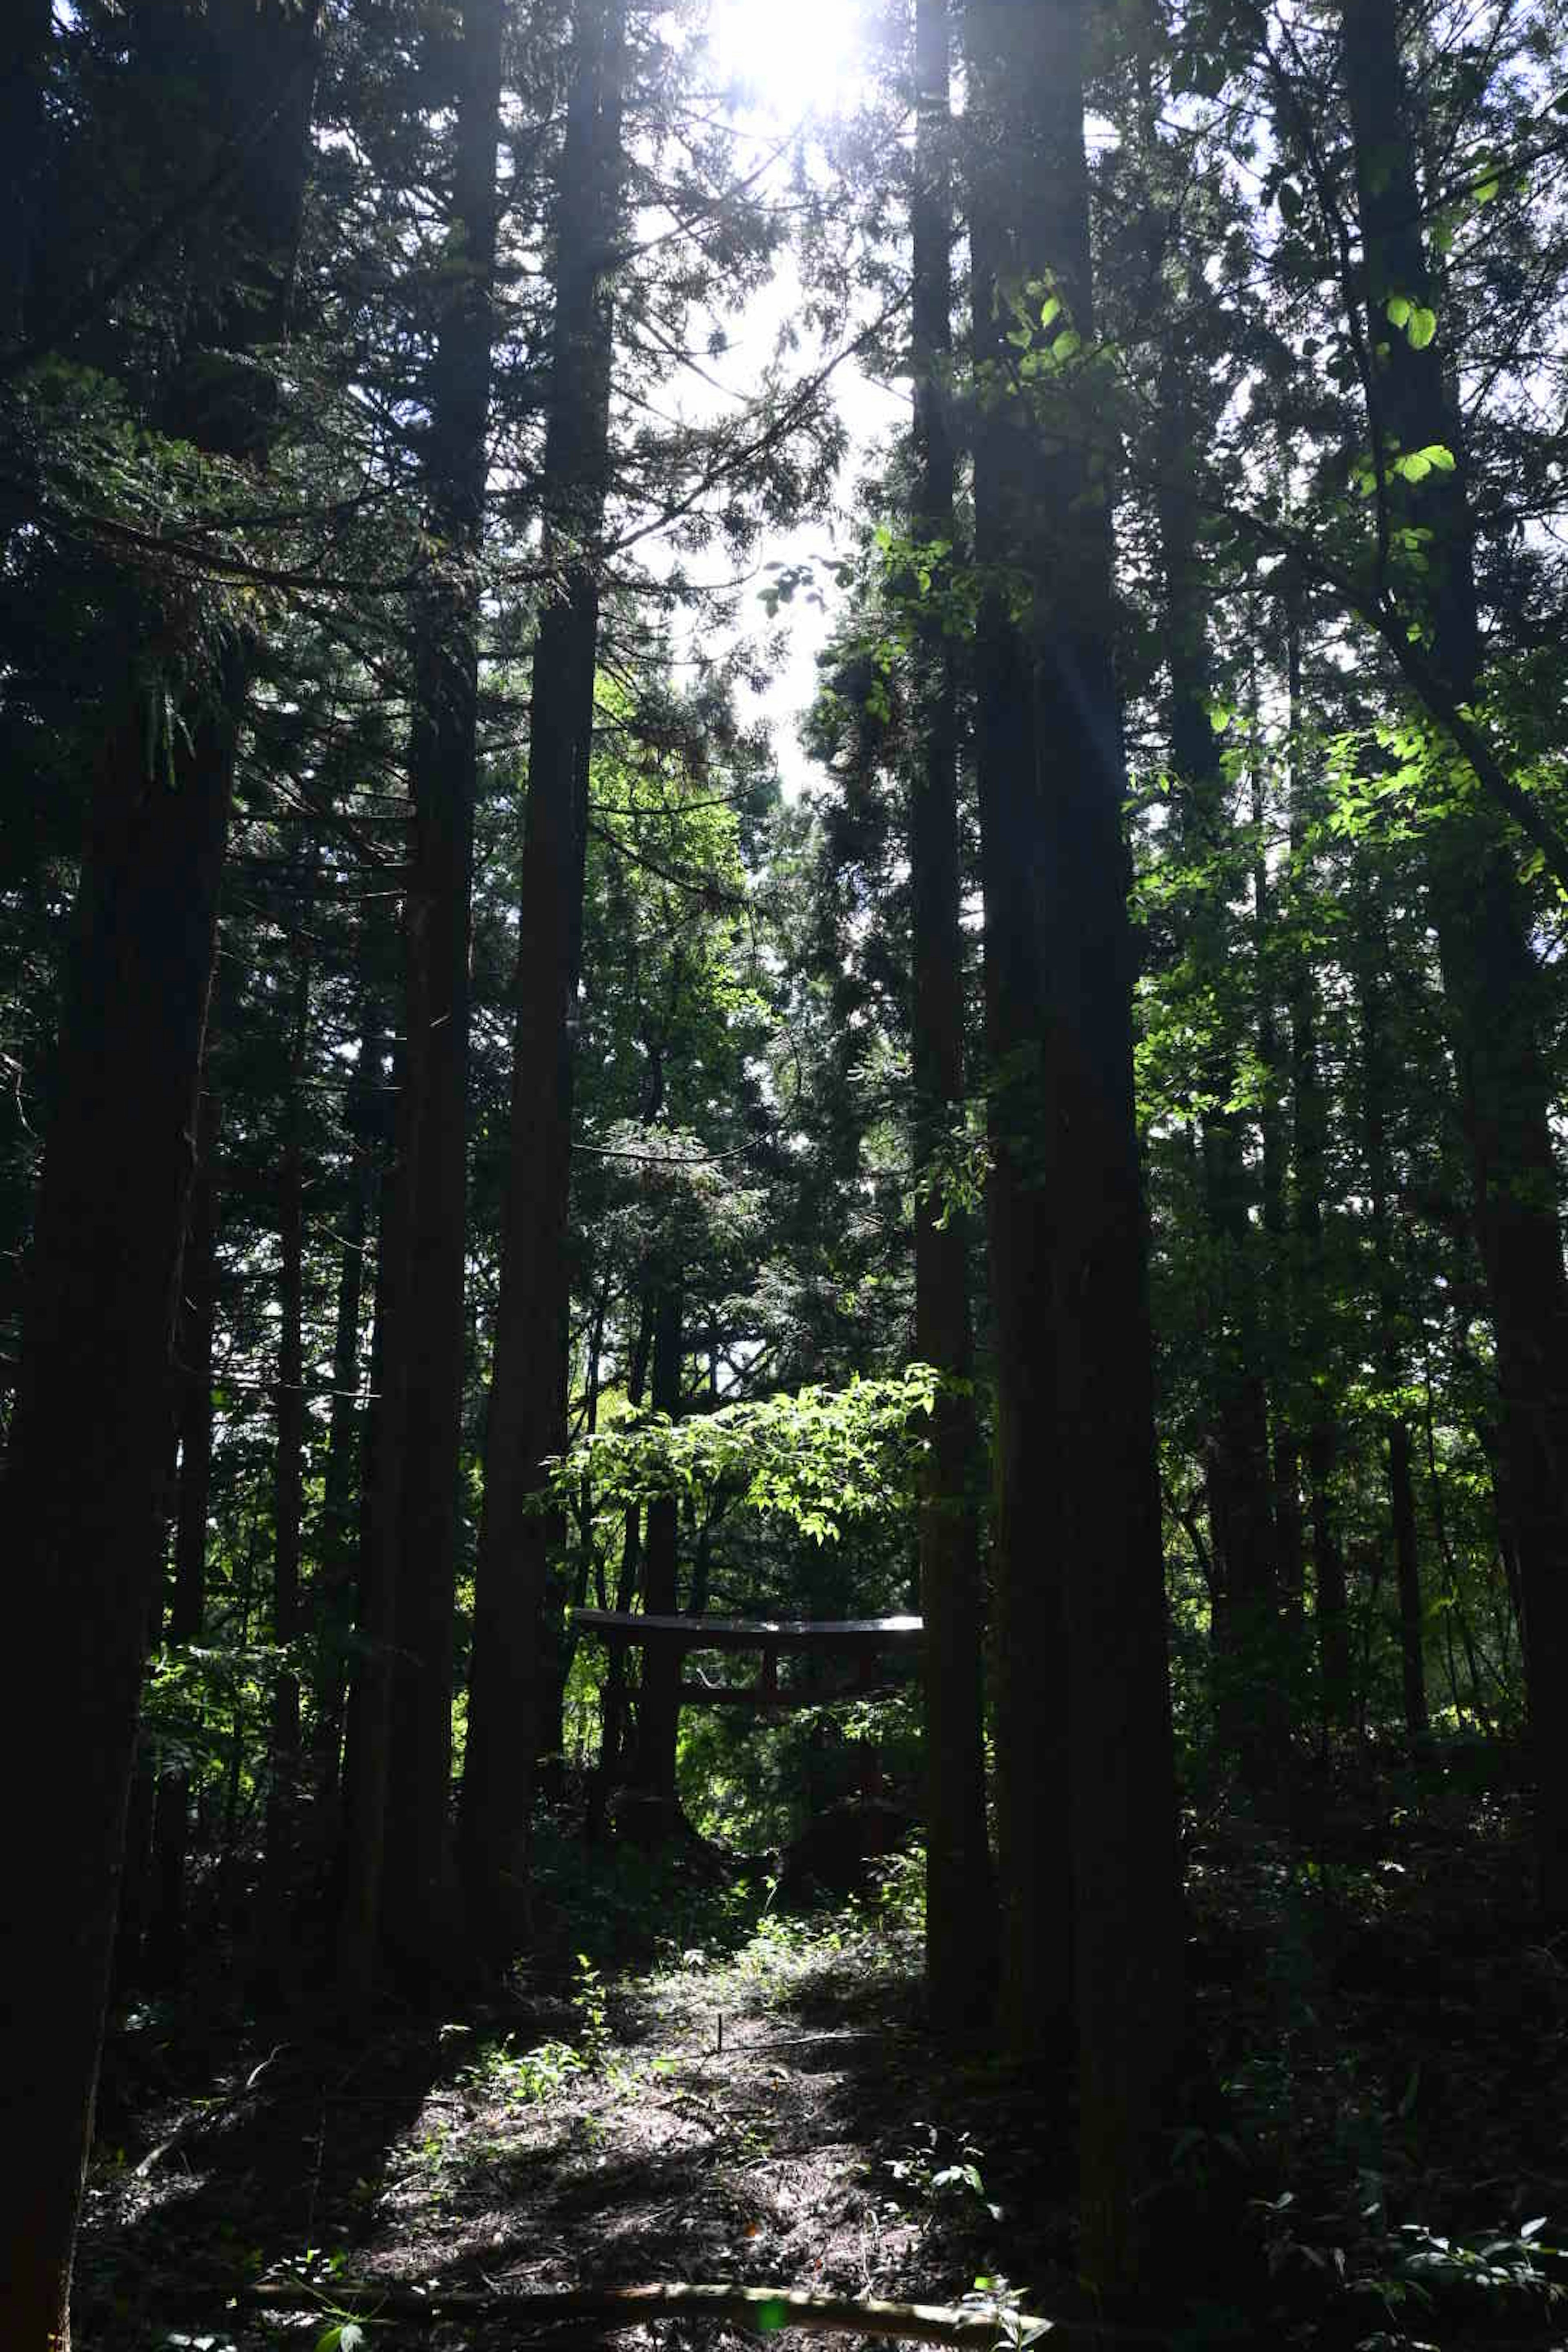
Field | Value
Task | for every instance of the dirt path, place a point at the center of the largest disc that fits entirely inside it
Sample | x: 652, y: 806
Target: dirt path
x: 760, y: 2109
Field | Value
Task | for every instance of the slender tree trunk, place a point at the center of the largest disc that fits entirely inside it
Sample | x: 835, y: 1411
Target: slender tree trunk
x: 421, y: 1890
x: 613, y: 1698
x: 1310, y: 1108
x: 1310, y: 1105
x: 1060, y: 812
x: 1376, y: 1076
x: 278, y: 1938
x: 1278, y: 1351
x: 516, y: 1622
x: 961, y: 1931
x: 1490, y: 979
x: 367, y: 1748
x: 332, y: 1598
x: 1241, y: 1517
x: 171, y: 1824
x: 659, y: 1710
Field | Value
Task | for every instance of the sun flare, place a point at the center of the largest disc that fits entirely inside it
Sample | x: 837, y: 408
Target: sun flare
x: 791, y: 57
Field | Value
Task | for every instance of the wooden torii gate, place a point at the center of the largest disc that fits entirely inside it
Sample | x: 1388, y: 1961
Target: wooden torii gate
x: 863, y: 1639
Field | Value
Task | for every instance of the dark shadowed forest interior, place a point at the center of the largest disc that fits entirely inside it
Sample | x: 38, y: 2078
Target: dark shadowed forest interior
x: 784, y: 1036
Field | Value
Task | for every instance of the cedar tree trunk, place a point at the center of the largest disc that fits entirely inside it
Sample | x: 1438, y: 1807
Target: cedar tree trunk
x: 961, y: 1896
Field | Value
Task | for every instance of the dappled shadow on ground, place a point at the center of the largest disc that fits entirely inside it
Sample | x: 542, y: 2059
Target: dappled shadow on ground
x: 1381, y: 2066
x: 282, y: 2142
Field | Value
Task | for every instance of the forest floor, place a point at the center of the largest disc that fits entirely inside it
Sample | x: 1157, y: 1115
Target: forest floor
x: 701, y: 2086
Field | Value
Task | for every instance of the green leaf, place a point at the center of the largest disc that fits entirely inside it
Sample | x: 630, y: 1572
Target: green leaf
x: 1050, y: 309
x: 1066, y: 344
x: 1423, y: 326
x: 1416, y: 463
x: 1398, y: 310
x: 1486, y: 192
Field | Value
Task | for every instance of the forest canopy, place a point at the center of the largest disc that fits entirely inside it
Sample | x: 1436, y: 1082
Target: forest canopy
x: 1058, y: 1132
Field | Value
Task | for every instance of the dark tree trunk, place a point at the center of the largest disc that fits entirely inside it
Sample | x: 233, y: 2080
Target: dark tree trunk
x: 1278, y: 1352
x: 24, y: 39
x: 1385, y: 1274
x: 367, y: 1745
x: 1310, y: 1105
x: 278, y: 1941
x: 1490, y: 979
x: 187, y: 1606
x: 961, y: 1898
x: 1033, y: 1872
x: 89, y: 1448
x: 1240, y: 1501
x: 1055, y: 808
x: 331, y: 1599
x: 659, y: 1708
x: 613, y: 1696
x: 421, y: 1890
x: 89, y: 1433
x: 516, y: 1616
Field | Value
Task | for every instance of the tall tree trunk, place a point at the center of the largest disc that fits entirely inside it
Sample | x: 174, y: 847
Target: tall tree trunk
x: 89, y: 1435
x: 332, y: 1597
x: 515, y: 1621
x: 960, y: 1897
x: 278, y: 1941
x: 421, y: 1891
x: 367, y: 1747
x: 187, y: 1606
x: 1310, y: 1106
x: 1028, y: 1553
x: 88, y: 1447
x: 613, y: 1696
x: 1377, y: 1076
x: 1240, y: 1502
x: 1278, y: 1351
x: 1057, y: 805
x: 659, y: 1708
x: 1490, y: 979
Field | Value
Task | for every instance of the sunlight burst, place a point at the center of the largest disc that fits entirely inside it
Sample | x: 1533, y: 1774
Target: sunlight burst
x: 791, y: 57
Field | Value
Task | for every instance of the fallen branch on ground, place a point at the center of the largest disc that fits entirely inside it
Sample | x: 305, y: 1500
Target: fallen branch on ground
x: 767, y: 2309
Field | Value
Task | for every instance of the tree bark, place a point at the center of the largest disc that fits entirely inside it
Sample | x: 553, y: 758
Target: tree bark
x: 1028, y: 1549
x: 332, y: 1597
x: 1240, y: 1501
x: 89, y: 1448
x: 88, y: 1440
x: 658, y: 1704
x: 1060, y: 814
x: 1378, y: 1070
x: 1490, y: 979
x: 960, y: 1896
x: 279, y: 1947
x: 187, y: 1607
x: 421, y: 1890
x: 367, y: 1748
x: 515, y: 1611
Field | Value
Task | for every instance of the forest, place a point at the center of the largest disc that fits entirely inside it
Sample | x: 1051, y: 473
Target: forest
x: 783, y: 1341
